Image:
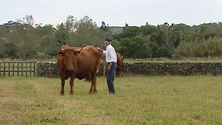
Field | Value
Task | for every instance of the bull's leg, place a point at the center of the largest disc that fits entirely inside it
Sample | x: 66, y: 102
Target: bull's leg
x: 71, y: 85
x: 90, y: 90
x: 62, y: 84
x: 120, y: 72
x: 62, y: 74
x: 93, y: 85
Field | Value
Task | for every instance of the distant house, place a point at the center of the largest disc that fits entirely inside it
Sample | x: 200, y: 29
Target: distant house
x: 115, y: 29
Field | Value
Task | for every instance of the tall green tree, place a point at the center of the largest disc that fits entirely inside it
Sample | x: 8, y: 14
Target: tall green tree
x: 28, y: 45
x: 147, y: 30
x: 88, y: 33
x: 71, y: 27
x: 61, y: 34
x: 133, y: 47
x: 181, y: 30
x: 47, y: 40
x: 104, y: 26
x: 169, y: 37
x: 11, y: 50
x: 130, y: 31
x: 85, y: 28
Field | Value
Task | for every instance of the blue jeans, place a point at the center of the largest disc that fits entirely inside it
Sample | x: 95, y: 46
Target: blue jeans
x: 110, y: 78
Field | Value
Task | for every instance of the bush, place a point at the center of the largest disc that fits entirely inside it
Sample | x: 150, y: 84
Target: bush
x: 41, y: 56
x: 210, y: 47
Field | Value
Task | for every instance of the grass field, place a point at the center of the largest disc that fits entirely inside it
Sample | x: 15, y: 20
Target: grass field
x: 176, y: 100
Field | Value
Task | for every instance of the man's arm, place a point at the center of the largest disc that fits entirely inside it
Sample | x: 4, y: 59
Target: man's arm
x: 104, y: 52
x: 99, y: 49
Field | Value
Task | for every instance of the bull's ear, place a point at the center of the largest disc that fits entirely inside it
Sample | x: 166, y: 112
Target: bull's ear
x: 60, y: 53
x: 76, y: 52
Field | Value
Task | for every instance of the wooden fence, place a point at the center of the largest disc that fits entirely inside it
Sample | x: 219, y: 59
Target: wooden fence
x: 17, y: 68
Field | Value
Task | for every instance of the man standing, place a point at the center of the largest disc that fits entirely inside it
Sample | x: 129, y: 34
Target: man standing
x: 111, y: 64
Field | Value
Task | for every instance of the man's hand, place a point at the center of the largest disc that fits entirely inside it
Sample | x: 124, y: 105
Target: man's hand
x: 109, y: 67
x: 99, y: 49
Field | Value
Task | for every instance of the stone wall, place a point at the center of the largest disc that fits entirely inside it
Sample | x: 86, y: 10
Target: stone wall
x: 46, y: 69
x: 173, y: 68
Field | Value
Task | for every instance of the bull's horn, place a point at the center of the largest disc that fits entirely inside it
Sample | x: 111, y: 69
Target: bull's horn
x: 83, y: 45
x: 80, y: 48
x: 58, y: 44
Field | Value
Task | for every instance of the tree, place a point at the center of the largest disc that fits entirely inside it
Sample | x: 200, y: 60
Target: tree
x: 71, y: 27
x: 148, y: 29
x: 61, y: 34
x: 130, y: 31
x: 181, y: 30
x: 116, y: 45
x: 125, y: 50
x: 168, y: 36
x: 10, y: 50
x: 20, y: 39
x: 88, y: 33
x: 46, y: 38
x: 104, y: 27
x: 150, y: 46
x: 133, y: 47
x: 85, y: 30
x: 138, y: 47
x: 27, y: 20
x: 30, y: 37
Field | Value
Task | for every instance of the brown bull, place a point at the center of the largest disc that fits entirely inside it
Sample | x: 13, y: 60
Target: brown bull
x: 76, y: 62
x: 119, y: 64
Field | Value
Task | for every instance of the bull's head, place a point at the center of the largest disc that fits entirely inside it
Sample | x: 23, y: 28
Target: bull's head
x: 68, y: 56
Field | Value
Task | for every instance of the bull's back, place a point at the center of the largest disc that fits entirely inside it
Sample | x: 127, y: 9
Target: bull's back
x: 90, y: 52
x: 88, y: 61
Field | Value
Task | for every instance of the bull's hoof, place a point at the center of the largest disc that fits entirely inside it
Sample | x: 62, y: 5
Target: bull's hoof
x: 71, y: 93
x: 91, y: 92
x: 61, y: 94
x: 94, y: 92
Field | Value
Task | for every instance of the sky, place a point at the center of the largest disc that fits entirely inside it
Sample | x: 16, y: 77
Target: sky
x: 114, y: 12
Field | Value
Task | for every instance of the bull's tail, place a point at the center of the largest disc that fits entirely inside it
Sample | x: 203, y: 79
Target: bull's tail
x: 97, y: 70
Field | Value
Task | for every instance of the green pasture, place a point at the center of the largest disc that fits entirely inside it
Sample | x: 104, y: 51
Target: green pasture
x: 149, y: 100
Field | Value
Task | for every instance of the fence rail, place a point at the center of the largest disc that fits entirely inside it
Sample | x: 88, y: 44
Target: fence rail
x: 17, y: 68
